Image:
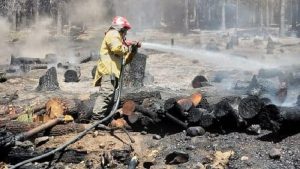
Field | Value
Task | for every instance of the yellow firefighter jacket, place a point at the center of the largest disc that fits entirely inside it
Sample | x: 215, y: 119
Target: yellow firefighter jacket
x: 111, y: 52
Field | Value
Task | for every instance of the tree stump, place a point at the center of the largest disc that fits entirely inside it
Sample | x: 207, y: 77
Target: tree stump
x: 48, y: 82
x: 134, y: 72
x: 94, y: 71
x: 3, y: 77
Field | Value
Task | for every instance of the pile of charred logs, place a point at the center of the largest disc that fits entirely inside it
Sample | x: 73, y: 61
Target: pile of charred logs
x: 230, y: 114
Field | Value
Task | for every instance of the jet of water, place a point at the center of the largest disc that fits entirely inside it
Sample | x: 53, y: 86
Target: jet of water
x: 217, y: 59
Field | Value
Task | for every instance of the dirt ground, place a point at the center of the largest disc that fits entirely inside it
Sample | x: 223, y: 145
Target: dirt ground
x: 174, y: 70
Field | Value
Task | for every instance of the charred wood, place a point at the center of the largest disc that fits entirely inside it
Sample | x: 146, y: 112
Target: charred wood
x: 36, y: 130
x: 201, y: 117
x: 249, y: 107
x: 194, y: 115
x: 27, y: 68
x: 207, y: 120
x: 134, y: 72
x: 24, y: 60
x: 18, y: 154
x: 85, y: 59
x: 3, y: 77
x: 72, y: 74
x: 226, y: 113
x: 129, y: 107
x: 176, y: 120
x: 140, y: 96
x: 7, y: 139
x: 94, y: 71
x: 16, y: 127
x: 48, y: 82
x: 277, y: 118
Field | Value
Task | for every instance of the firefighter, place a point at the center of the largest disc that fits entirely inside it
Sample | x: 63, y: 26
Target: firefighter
x: 113, y: 50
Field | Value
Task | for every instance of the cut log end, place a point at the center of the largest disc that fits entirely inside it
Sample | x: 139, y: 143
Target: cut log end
x: 249, y: 107
x: 196, y: 98
x: 128, y: 107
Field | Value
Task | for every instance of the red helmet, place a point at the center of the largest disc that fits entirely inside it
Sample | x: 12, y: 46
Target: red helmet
x: 121, y: 21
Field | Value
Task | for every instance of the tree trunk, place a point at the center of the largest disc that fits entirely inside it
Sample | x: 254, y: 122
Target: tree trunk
x: 237, y: 13
x: 17, y: 127
x: 261, y: 18
x: 282, y: 17
x: 59, y: 18
x: 298, y: 2
x: 187, y: 19
x: 223, y: 24
x: 197, y: 13
x: 36, y: 11
x: 134, y: 72
x: 294, y: 14
x: 267, y: 14
x: 272, y: 11
x: 209, y: 11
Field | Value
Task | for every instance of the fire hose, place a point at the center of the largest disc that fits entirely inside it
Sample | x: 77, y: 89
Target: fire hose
x: 82, y: 134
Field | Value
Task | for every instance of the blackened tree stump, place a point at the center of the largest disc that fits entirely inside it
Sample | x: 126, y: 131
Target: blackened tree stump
x: 48, y: 82
x: 134, y: 72
x: 249, y: 107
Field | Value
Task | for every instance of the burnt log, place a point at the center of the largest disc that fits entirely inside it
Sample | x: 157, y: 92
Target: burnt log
x: 290, y: 114
x: 36, y: 130
x: 180, y: 106
x: 85, y: 59
x: 48, y: 82
x: 226, y: 113
x: 17, y: 127
x: 72, y: 74
x: 249, y: 107
x: 269, y: 117
x: 207, y: 120
x: 200, y: 116
x: 27, y: 68
x: 140, y: 122
x: 176, y: 120
x: 24, y: 60
x: 134, y: 72
x: 139, y: 97
x: 18, y: 154
x: 279, y: 118
x: 194, y: 115
x: 129, y: 107
x: 7, y: 140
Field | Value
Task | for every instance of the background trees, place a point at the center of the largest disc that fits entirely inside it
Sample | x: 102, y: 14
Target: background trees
x: 175, y: 15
